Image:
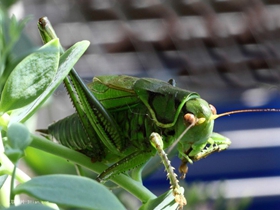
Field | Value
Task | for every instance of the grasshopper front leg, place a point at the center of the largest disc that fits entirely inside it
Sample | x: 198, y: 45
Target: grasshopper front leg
x: 215, y: 143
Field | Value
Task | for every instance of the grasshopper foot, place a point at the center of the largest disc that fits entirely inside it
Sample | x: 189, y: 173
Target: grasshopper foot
x: 183, y: 169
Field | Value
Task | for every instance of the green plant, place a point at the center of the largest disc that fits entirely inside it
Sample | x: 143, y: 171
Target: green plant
x: 25, y: 88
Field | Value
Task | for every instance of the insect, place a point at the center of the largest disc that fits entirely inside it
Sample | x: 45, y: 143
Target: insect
x: 136, y: 112
x: 120, y: 120
x: 178, y: 115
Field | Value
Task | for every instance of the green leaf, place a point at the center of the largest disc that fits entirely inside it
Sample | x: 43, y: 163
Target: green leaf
x: 14, y: 44
x: 66, y: 63
x: 70, y: 191
x: 29, y: 207
x: 18, y: 139
x: 30, y: 77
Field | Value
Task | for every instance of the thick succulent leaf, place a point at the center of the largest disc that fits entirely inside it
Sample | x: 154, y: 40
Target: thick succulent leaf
x: 30, y: 77
x: 66, y: 63
x: 70, y: 191
x: 29, y: 207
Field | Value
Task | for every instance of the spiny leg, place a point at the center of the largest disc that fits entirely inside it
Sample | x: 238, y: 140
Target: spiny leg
x: 215, y: 143
x: 93, y: 116
x: 157, y: 143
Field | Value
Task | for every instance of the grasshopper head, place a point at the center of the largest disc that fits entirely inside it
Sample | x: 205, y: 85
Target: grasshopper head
x: 198, y: 122
x: 195, y: 132
x: 195, y: 125
x: 200, y: 111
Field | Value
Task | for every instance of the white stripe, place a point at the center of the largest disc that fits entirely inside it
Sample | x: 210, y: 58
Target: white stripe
x: 251, y: 187
x: 253, y: 138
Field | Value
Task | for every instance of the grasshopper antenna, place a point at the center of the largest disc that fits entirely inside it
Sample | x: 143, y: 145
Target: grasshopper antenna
x: 243, y: 111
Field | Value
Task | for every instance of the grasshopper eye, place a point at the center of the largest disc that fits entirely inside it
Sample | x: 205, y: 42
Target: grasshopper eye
x: 189, y: 119
x: 213, y: 109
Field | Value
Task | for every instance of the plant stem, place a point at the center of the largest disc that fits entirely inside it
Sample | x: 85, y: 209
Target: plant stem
x: 7, y: 167
x: 127, y: 183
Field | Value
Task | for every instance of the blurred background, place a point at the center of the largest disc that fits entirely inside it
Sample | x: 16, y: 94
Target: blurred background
x: 226, y: 50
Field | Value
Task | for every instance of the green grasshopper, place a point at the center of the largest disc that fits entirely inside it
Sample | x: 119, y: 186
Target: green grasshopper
x: 123, y: 121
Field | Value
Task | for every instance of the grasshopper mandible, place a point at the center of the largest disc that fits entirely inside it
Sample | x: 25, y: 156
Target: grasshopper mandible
x: 121, y: 120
